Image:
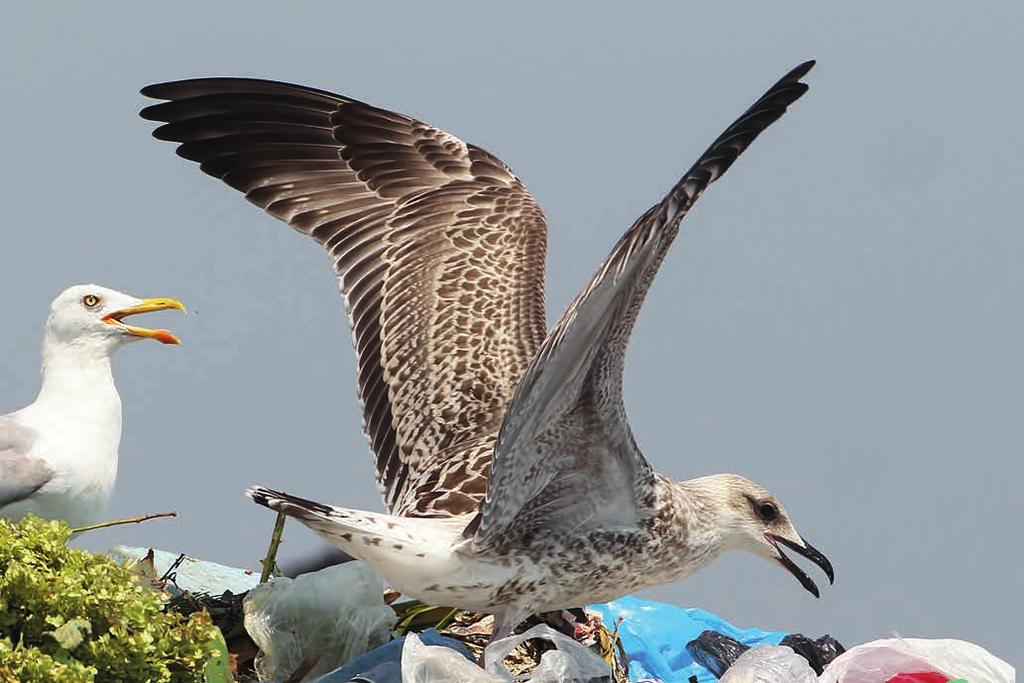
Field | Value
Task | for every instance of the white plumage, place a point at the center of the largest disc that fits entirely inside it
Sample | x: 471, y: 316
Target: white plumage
x: 58, y: 456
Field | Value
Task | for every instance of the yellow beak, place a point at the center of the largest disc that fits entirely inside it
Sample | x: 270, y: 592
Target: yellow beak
x: 147, y: 306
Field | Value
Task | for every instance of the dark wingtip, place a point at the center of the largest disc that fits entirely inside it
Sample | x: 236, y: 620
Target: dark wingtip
x: 262, y: 496
x: 797, y: 72
x: 150, y: 113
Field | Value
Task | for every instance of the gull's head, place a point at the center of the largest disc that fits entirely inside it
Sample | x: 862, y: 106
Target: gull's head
x: 753, y: 519
x: 92, y: 317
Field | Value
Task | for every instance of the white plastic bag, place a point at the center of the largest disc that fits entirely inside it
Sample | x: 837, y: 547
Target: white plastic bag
x: 335, y: 614
x: 437, y: 664
x: 770, y: 664
x: 880, y: 660
x: 571, y: 662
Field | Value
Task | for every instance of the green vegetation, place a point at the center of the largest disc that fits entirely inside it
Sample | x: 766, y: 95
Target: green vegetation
x: 69, y: 615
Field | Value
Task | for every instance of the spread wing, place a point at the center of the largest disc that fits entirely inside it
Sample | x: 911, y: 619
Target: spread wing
x: 565, y: 455
x: 438, y: 248
x: 21, y: 475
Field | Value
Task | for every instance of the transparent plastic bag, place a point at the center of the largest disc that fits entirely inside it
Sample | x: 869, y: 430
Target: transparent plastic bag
x: 770, y: 664
x: 334, y: 614
x: 438, y: 664
x: 570, y: 662
x: 384, y: 664
x: 880, y: 660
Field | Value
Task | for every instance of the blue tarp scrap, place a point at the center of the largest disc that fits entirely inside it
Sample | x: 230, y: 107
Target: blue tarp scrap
x: 654, y: 636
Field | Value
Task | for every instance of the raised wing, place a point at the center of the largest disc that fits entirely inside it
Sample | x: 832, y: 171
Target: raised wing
x: 21, y: 475
x: 565, y: 455
x: 439, y: 250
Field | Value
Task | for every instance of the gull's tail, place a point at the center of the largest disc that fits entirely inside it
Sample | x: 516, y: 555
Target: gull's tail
x: 389, y: 544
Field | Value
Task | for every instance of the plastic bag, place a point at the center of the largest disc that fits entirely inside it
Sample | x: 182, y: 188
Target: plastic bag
x: 570, y: 662
x: 655, y: 634
x: 770, y: 664
x: 438, y: 664
x: 881, y: 660
x: 333, y: 615
x: 384, y: 664
x: 818, y: 653
x: 715, y: 652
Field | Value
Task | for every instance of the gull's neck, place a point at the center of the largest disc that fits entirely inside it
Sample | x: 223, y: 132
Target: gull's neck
x: 77, y: 379
x: 700, y: 518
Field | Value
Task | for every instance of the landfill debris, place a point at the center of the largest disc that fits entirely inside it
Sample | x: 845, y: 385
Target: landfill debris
x: 654, y: 636
x: 716, y: 652
x: 770, y: 664
x: 429, y: 657
x: 884, y: 660
x: 585, y: 627
x: 818, y: 653
x: 310, y: 625
x: 186, y: 573
x: 438, y: 664
x: 308, y: 628
x: 569, y: 662
x: 385, y: 664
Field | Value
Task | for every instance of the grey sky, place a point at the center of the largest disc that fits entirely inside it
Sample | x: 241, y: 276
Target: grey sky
x: 840, y: 318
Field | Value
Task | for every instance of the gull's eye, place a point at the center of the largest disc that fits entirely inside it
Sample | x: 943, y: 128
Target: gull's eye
x: 90, y: 301
x: 767, y: 511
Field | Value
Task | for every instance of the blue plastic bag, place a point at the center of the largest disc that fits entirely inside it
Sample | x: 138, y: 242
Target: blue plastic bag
x: 654, y: 636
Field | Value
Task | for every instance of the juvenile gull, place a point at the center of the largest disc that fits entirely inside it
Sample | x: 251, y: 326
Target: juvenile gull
x: 58, y: 456
x: 439, y: 252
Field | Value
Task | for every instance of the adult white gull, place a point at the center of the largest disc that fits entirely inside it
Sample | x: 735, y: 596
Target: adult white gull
x: 504, y: 454
x: 58, y: 456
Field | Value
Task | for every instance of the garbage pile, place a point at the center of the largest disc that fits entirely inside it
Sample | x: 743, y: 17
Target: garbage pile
x: 339, y: 625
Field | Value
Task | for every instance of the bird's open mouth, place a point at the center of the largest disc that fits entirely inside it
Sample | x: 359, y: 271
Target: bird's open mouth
x: 147, y: 306
x: 808, y: 551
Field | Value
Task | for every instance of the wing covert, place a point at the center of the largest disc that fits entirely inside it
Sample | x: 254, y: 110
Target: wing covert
x: 567, y: 423
x: 438, y: 248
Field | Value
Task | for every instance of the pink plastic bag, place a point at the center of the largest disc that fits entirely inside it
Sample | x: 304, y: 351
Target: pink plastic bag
x: 881, y: 660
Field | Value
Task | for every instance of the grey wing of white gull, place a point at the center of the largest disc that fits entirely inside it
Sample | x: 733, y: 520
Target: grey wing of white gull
x: 566, y: 457
x: 21, y: 474
x: 438, y: 248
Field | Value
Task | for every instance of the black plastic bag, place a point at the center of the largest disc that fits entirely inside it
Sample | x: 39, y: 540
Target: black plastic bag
x: 715, y: 652
x: 818, y: 653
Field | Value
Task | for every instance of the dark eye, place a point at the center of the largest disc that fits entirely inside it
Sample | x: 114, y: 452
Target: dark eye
x: 90, y: 301
x: 768, y: 511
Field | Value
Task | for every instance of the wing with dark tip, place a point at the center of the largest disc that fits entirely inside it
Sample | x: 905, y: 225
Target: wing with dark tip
x: 565, y: 455
x: 438, y: 248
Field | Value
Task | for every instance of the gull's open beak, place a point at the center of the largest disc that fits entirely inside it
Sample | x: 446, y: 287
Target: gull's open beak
x: 147, y: 306
x: 808, y: 551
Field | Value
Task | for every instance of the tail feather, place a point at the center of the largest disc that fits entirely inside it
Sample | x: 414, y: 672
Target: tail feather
x: 417, y: 555
x: 293, y: 506
x: 358, y: 532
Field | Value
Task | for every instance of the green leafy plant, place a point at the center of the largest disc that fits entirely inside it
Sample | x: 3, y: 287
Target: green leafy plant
x: 69, y: 615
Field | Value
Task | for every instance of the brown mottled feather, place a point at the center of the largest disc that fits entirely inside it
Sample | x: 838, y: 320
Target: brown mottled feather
x: 566, y: 427
x: 439, y: 251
